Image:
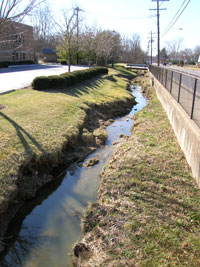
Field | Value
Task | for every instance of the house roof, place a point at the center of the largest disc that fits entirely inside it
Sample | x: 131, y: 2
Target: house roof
x: 48, y: 51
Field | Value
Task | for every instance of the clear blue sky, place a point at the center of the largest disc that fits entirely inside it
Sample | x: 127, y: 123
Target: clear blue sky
x: 134, y: 16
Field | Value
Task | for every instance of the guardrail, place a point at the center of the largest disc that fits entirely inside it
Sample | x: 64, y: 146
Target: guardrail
x: 183, y: 87
x: 136, y: 66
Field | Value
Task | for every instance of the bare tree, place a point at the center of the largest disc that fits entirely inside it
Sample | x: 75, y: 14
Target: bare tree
x: 87, y: 42
x: 12, y: 12
x: 196, y: 52
x: 66, y: 28
x: 174, y: 47
x: 15, y: 11
x: 42, y: 21
x: 132, y: 51
x: 106, y: 41
x: 117, y: 47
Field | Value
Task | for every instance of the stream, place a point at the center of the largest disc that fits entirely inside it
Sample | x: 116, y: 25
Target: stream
x: 44, y: 231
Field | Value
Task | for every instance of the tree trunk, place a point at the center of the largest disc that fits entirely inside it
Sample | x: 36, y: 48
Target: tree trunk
x: 69, y: 59
x: 89, y: 59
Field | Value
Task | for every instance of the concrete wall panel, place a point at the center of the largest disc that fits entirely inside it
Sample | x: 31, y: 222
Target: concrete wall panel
x: 186, y: 130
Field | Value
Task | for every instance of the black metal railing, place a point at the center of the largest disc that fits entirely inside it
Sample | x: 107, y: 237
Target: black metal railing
x: 183, y: 87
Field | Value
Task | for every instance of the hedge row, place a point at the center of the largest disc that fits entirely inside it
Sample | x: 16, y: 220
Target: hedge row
x: 5, y: 64
x: 66, y: 79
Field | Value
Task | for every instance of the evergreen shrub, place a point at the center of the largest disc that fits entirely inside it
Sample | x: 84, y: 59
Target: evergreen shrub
x: 5, y: 64
x: 41, y: 83
x: 66, y: 79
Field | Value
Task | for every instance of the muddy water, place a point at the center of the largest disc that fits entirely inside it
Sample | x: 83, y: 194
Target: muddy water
x: 45, y: 230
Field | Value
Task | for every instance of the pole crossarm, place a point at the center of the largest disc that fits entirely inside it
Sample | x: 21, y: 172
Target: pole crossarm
x: 155, y: 9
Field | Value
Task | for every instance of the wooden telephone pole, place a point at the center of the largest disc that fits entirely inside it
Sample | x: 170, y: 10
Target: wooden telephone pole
x: 158, y: 25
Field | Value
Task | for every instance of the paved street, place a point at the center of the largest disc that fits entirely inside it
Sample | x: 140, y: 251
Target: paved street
x: 194, y: 73
x: 18, y: 77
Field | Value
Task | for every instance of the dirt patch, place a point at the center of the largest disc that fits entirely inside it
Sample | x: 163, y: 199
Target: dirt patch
x: 2, y: 106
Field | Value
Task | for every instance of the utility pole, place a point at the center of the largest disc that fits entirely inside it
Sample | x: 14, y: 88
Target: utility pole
x: 158, y: 25
x: 158, y: 31
x: 77, y: 9
x: 151, y: 41
x: 151, y: 47
x: 148, y: 51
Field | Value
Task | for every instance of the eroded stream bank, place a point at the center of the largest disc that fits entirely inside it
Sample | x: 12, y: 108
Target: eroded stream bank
x: 47, y: 234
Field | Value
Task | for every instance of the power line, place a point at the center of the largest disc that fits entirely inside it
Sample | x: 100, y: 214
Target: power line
x: 174, y: 17
x: 171, y: 24
x: 116, y: 17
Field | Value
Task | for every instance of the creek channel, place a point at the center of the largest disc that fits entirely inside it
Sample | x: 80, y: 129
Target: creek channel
x: 44, y: 231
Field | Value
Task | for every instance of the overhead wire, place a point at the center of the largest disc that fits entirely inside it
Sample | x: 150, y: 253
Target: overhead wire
x: 175, y: 16
x: 115, y: 17
x: 174, y: 20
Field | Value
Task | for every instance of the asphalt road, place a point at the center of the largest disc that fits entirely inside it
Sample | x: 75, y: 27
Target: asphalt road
x: 19, y: 77
x: 186, y: 71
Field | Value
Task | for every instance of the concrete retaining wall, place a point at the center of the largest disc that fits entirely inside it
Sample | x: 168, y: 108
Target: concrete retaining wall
x: 187, y: 132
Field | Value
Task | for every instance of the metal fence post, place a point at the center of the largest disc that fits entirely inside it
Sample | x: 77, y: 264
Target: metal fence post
x: 171, y: 82
x: 194, y: 95
x: 179, y: 89
x: 166, y: 80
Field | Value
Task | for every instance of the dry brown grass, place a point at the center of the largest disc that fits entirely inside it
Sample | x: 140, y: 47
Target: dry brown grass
x: 148, y: 211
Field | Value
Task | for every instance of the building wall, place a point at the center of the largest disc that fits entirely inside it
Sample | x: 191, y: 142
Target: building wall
x: 50, y: 58
x: 16, y: 42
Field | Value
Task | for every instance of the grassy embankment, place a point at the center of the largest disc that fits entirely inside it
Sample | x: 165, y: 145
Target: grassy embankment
x: 37, y: 127
x: 148, y: 210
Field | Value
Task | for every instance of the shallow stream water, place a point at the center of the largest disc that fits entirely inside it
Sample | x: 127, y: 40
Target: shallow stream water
x: 47, y: 227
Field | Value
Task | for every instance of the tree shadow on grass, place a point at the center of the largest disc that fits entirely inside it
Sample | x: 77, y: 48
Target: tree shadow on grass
x: 83, y: 88
x: 22, y: 134
x: 125, y: 73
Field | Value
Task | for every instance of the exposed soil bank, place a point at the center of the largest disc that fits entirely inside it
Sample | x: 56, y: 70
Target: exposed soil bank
x: 37, y: 172
x: 148, y: 211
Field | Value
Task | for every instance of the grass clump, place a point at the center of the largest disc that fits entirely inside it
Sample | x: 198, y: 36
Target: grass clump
x: 149, y: 203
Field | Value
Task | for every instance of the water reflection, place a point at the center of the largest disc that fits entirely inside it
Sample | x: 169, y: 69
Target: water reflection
x: 19, y: 250
x: 45, y: 237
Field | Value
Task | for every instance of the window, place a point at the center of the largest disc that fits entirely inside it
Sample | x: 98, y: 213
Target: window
x: 18, y: 39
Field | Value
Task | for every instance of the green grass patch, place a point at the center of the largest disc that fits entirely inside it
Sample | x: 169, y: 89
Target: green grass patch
x: 38, y: 125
